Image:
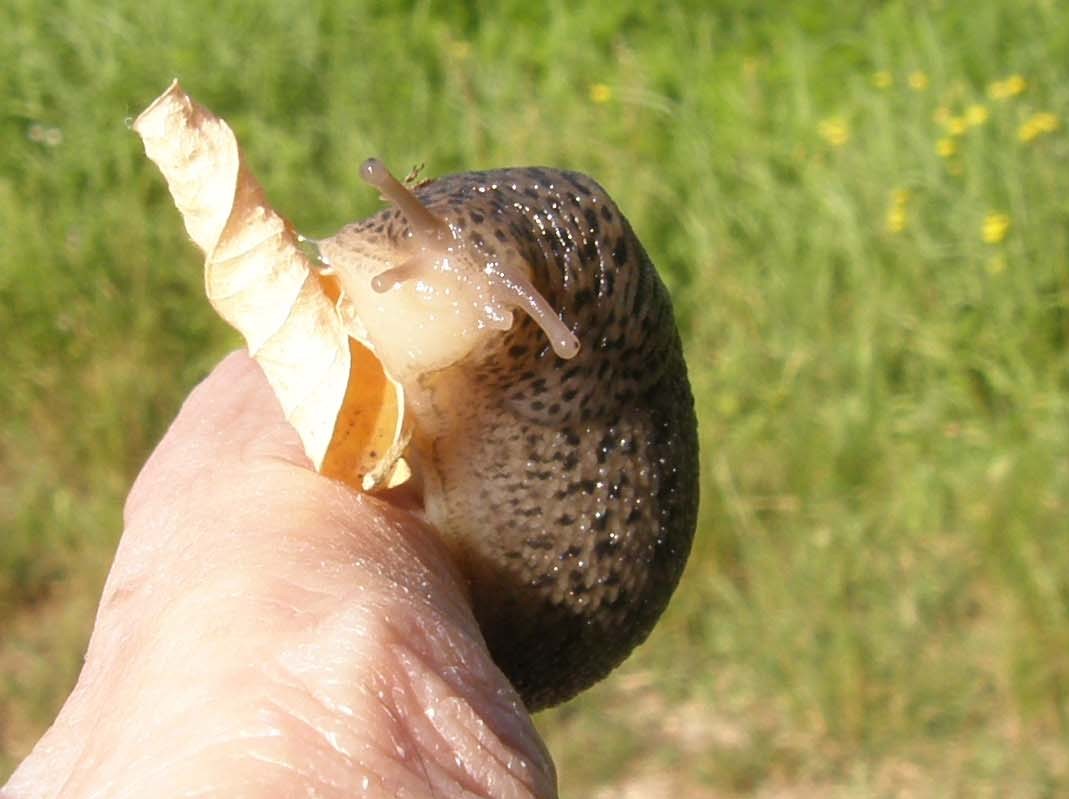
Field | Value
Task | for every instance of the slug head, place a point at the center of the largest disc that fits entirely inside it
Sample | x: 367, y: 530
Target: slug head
x: 427, y: 301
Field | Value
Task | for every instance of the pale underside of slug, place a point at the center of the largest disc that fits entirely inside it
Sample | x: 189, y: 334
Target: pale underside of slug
x: 556, y: 449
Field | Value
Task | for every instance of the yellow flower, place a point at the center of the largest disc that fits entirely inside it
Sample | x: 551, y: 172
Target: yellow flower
x: 897, y: 217
x: 956, y: 126
x: 918, y: 81
x: 996, y: 226
x: 1005, y: 89
x: 882, y: 79
x: 1036, y: 126
x: 600, y: 93
x: 1046, y: 122
x: 976, y: 114
x: 946, y: 147
x: 1027, y: 132
x: 1015, y: 84
x: 834, y: 131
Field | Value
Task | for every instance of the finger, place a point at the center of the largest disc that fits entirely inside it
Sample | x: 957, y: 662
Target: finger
x: 282, y: 617
x: 231, y: 418
x: 230, y: 414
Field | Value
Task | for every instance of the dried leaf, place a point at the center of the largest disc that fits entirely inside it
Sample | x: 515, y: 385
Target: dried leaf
x: 346, y: 410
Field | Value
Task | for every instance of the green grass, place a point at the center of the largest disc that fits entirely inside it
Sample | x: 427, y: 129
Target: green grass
x: 878, y: 602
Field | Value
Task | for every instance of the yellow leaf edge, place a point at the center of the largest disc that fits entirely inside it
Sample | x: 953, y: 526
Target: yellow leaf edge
x: 348, y: 413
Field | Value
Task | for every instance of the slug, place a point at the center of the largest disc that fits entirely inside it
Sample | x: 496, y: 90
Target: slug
x: 556, y: 449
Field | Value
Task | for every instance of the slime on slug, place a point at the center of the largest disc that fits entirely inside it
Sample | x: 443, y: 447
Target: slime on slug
x: 563, y: 478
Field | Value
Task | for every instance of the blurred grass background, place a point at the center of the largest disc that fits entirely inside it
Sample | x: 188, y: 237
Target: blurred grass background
x: 862, y: 210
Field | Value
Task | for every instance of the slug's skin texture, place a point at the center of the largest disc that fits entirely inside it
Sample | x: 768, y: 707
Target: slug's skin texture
x: 567, y: 489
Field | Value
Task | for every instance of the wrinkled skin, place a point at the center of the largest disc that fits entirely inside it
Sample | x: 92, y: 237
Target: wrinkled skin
x: 265, y: 632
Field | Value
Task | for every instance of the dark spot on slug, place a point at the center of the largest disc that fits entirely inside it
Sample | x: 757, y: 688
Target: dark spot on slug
x: 604, y: 548
x: 582, y: 299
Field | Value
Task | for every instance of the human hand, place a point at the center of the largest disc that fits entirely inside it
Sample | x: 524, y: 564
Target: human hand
x: 266, y: 632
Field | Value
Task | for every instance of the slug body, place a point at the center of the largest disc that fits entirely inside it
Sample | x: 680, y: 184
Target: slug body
x: 556, y: 449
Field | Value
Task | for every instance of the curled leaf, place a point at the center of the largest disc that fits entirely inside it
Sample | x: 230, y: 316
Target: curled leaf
x: 347, y: 411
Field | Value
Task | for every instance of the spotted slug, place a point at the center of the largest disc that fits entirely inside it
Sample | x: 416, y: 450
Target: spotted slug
x: 556, y: 449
